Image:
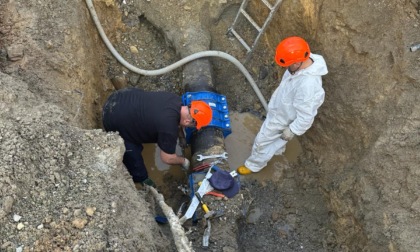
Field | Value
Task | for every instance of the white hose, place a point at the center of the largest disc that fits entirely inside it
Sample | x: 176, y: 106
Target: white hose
x: 176, y: 64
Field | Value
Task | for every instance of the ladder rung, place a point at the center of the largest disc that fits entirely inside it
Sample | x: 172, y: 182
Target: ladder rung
x: 240, y: 39
x: 273, y: 9
x: 251, y: 20
x: 267, y: 4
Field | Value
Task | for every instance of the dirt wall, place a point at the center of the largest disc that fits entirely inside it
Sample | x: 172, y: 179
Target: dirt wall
x: 62, y: 188
x: 365, y: 139
x: 53, y: 55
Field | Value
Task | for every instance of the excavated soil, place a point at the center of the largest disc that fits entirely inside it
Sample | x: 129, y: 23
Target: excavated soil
x: 354, y: 187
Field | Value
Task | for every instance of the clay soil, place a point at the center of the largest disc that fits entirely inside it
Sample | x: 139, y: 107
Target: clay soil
x: 62, y: 184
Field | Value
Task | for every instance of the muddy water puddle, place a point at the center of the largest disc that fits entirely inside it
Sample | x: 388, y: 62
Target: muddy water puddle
x: 245, y: 127
x: 157, y: 169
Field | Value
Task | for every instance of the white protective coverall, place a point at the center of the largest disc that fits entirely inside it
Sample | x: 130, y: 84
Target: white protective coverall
x: 294, y: 103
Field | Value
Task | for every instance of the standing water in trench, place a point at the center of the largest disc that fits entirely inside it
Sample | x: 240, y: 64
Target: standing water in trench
x: 245, y: 127
x: 271, y: 216
x: 239, y: 144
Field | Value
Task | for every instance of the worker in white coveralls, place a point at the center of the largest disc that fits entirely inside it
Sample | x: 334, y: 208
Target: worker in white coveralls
x: 293, y: 105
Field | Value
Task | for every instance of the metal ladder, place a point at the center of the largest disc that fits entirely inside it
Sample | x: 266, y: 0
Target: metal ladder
x: 231, y: 30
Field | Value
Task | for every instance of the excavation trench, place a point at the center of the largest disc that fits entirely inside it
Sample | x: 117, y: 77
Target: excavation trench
x: 197, y: 78
x: 348, y: 184
x: 244, y: 214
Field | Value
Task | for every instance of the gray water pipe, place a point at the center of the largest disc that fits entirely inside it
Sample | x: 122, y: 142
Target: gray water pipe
x: 176, y: 64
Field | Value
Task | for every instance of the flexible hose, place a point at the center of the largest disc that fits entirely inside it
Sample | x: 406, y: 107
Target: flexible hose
x: 176, y: 64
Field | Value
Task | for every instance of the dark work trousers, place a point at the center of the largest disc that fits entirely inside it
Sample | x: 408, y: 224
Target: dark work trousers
x: 132, y: 159
x: 134, y: 162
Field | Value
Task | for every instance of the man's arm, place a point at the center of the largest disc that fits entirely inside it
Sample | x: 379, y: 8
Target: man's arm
x: 307, y: 101
x: 171, y: 159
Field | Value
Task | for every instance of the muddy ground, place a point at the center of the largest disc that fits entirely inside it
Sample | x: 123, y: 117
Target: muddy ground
x: 354, y: 186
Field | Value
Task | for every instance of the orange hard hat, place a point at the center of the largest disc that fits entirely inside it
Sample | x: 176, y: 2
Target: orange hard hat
x: 291, y: 50
x: 201, y: 112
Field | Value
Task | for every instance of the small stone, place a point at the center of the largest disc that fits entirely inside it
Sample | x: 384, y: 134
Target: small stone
x: 263, y: 72
x: 77, y: 212
x: 134, y: 49
x: 53, y: 224
x: 15, y: 52
x: 6, y: 244
x: 90, y: 211
x: 109, y: 3
x: 41, y: 226
x: 254, y: 215
x: 275, y: 216
x: 79, y: 223
x: 16, y: 217
x: 119, y: 82
x: 7, y: 204
x: 20, y: 226
x: 48, y: 44
x: 284, y: 231
x: 48, y: 219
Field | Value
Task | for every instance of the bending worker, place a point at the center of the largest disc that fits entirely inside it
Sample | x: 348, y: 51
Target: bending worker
x: 293, y: 105
x: 151, y: 117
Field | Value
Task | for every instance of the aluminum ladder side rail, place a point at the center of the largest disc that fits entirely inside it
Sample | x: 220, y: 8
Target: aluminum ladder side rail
x: 241, y: 40
x: 273, y: 9
x: 260, y: 30
x: 232, y: 31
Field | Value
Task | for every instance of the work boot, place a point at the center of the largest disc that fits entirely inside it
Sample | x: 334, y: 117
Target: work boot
x: 243, y: 170
x: 148, y: 182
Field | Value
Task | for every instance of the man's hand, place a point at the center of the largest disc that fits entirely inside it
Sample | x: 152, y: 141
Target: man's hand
x: 186, y: 164
x: 287, y: 134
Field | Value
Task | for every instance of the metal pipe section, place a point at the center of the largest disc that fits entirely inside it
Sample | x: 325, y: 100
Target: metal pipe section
x: 198, y: 76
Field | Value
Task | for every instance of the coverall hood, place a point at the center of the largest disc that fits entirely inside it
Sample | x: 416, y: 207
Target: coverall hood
x: 318, y: 67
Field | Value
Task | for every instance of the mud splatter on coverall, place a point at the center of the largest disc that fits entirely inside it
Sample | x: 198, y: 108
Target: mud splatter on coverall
x: 294, y: 104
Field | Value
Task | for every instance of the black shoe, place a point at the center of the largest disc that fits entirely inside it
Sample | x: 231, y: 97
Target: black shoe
x: 148, y: 182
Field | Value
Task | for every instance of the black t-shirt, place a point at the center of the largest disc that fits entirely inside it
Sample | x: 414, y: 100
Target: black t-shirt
x: 144, y: 117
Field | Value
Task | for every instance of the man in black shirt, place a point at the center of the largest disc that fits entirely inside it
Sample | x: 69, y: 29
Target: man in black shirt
x: 151, y: 117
